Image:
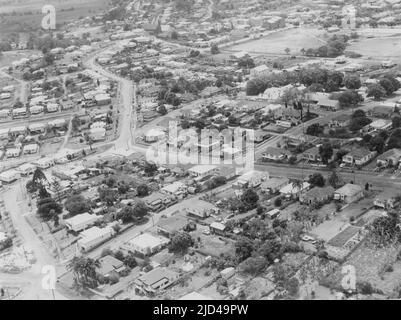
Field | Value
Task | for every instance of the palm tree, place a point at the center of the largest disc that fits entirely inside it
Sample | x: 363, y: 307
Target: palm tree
x: 84, y: 270
x: 39, y: 179
x: 297, y: 184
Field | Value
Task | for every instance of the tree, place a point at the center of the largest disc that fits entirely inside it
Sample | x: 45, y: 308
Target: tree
x: 162, y: 110
x: 142, y: 190
x: 317, y: 180
x: 130, y: 261
x: 43, y: 193
x: 243, y: 249
x: 385, y: 231
x: 150, y: 168
x: 252, y: 265
x: 334, y: 179
x: 123, y: 187
x: 47, y: 208
x: 84, y: 271
x: 349, y: 99
x: 395, y: 139
x: 271, y: 250
x: 396, y: 122
x: 376, y: 91
x: 278, y: 202
x: 387, y: 86
x: 326, y: 152
x: 352, y: 82
x: 38, y: 181
x: 358, y: 114
x: 315, y: 129
x: 49, y: 59
x: 77, y: 204
x: 377, y: 144
x: 133, y: 213
x: 180, y: 242
x: 292, y: 287
x: 56, y: 186
x: 287, y: 50
x: 214, y: 49
x: 250, y: 198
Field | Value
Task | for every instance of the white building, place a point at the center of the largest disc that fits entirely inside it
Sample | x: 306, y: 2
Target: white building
x: 154, y: 135
x: 13, y: 152
x: 30, y: 149
x: 81, y: 221
x: 252, y: 179
x: 203, y: 170
x: 44, y: 163
x: 97, y: 134
x: 26, y: 169
x: 9, y: 176
x: 93, y: 237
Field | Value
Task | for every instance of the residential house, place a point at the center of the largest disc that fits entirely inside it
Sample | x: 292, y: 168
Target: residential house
x: 294, y: 190
x: 252, y: 179
x: 390, y: 158
x: 146, y: 244
x: 328, y: 104
x: 176, y: 189
x: 274, y: 185
x: 81, y: 221
x: 155, y: 280
x: 93, y: 237
x: 377, y: 125
x: 200, y: 209
x: 157, y: 201
x: 276, y: 154
x: 382, y: 111
x: 203, y: 170
x: 259, y: 71
x: 109, y: 266
x: 312, y: 155
x: 171, y: 225
x: 388, y: 199
x: 340, y: 121
x: 317, y: 195
x: 340, y: 245
x: 359, y: 156
x: 349, y: 193
x: 218, y: 228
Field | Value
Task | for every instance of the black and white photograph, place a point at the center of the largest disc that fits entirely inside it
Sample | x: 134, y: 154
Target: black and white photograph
x: 197, y: 156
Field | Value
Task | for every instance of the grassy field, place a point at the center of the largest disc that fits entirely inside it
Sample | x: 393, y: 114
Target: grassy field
x: 386, y: 47
x: 25, y: 15
x: 276, y: 43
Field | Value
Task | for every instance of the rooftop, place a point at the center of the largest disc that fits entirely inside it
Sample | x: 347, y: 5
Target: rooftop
x: 349, y: 189
x: 147, y: 240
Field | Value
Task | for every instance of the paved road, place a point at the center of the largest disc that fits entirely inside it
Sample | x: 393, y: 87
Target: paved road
x: 31, y: 280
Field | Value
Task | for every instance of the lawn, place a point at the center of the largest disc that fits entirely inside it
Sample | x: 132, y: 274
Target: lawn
x: 28, y: 14
x: 386, y: 47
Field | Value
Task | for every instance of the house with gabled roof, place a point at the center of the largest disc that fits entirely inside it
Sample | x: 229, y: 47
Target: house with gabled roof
x: 390, y: 158
x: 317, y: 195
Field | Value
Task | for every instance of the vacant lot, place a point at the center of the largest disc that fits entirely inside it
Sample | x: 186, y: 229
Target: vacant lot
x: 370, y: 265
